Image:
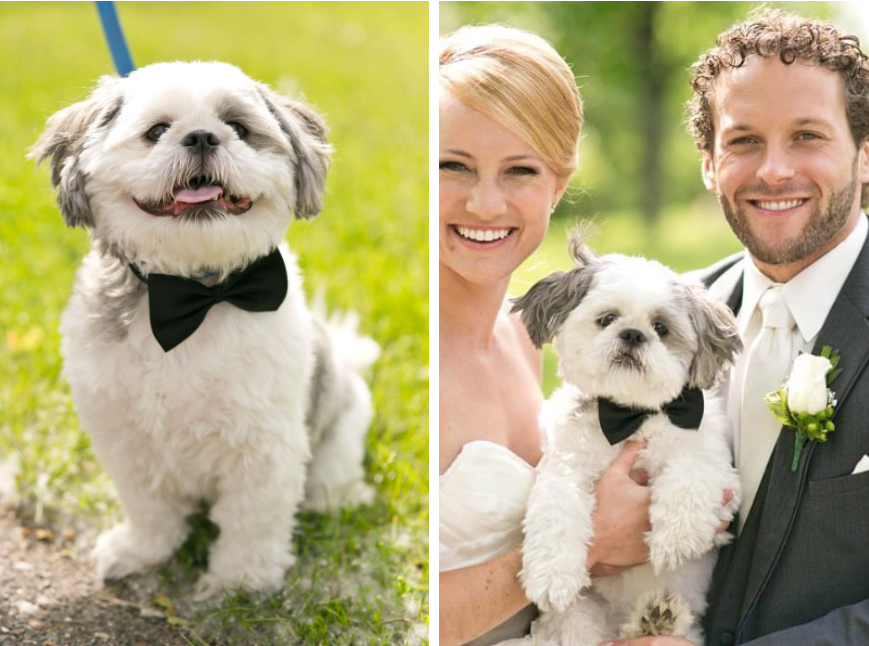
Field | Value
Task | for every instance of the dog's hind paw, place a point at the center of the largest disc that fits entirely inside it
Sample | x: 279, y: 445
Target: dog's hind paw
x: 659, y: 612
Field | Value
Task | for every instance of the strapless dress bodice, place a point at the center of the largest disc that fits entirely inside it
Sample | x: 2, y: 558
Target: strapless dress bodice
x: 482, y: 498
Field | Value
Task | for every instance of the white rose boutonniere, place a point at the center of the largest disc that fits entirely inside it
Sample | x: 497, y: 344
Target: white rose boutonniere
x: 805, y: 403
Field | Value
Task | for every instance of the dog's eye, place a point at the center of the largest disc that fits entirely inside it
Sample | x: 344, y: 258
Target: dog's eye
x: 661, y: 329
x: 238, y: 129
x: 606, y: 320
x: 157, y: 131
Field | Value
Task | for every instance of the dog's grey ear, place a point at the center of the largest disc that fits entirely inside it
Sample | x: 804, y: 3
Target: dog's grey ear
x: 66, y: 135
x: 306, y: 132
x: 718, y: 340
x: 546, y: 306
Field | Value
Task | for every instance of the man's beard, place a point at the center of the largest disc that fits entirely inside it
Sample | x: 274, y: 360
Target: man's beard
x: 821, y: 227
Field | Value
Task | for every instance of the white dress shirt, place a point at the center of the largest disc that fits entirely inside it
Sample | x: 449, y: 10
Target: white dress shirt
x: 809, y: 296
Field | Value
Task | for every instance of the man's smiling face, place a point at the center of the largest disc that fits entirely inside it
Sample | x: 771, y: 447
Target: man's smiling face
x: 784, y: 164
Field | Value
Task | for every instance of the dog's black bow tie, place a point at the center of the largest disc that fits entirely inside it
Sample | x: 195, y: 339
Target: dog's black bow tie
x: 179, y: 305
x: 620, y: 422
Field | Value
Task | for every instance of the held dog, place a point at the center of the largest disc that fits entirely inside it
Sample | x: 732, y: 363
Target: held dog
x: 637, y: 345
x: 195, y: 366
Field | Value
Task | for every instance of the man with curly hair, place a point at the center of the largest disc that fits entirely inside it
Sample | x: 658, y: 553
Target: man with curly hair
x: 780, y: 114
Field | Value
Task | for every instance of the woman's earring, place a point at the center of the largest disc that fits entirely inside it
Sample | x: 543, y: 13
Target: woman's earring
x: 552, y: 210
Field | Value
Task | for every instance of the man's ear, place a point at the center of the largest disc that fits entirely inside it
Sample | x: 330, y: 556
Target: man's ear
x: 710, y: 181
x: 863, y: 162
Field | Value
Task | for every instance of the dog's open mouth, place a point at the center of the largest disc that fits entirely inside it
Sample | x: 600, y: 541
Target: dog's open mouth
x: 200, y: 198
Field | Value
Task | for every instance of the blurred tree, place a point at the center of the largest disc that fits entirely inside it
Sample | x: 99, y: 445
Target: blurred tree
x: 631, y: 60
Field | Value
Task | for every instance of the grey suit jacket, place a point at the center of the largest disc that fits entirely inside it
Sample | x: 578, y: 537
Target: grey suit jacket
x: 799, y: 572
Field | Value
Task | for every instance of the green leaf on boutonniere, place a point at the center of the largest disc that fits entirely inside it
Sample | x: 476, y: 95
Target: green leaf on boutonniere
x: 833, y: 356
x: 777, y: 401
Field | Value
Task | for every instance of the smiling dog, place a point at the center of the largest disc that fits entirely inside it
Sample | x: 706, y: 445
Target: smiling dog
x: 195, y: 365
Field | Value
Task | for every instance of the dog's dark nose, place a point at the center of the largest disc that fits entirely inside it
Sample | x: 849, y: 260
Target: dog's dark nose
x: 201, y: 141
x: 632, y: 337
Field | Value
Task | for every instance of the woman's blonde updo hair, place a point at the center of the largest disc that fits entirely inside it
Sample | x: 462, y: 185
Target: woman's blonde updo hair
x: 517, y: 79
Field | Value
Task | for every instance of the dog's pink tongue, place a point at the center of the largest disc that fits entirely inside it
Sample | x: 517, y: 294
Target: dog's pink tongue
x: 203, y: 194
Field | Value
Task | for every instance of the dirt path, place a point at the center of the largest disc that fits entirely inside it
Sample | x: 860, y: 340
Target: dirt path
x: 49, y: 596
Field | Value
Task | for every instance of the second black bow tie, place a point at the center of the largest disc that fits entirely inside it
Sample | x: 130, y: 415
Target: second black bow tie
x: 620, y: 422
x: 179, y: 305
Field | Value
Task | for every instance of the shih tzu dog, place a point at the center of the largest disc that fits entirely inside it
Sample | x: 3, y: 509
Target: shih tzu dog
x: 637, y: 345
x: 195, y: 366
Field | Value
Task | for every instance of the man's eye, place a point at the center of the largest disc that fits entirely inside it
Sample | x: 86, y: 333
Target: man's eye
x: 157, y: 131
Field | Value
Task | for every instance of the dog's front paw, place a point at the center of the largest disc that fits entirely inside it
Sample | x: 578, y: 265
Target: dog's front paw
x: 122, y: 551
x: 252, y: 565
x: 555, y: 590
x: 679, y: 536
x: 668, y: 553
x: 212, y: 585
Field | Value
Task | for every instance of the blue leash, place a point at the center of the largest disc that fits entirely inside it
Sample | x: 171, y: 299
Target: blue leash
x: 115, y: 37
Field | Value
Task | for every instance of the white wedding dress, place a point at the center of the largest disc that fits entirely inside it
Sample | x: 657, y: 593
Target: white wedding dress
x: 482, y: 497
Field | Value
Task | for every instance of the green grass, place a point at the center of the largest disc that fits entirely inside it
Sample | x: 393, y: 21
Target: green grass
x: 686, y: 238
x: 362, y: 577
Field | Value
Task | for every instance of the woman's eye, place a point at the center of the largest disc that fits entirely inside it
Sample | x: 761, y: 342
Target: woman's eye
x: 452, y: 165
x: 157, y: 131
x: 238, y: 129
x: 606, y: 320
x: 523, y: 170
x: 661, y: 330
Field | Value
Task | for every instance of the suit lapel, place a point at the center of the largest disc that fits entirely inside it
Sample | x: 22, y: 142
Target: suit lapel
x: 847, y: 330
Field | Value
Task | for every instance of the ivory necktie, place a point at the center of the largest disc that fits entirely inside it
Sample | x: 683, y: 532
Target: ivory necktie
x: 767, y: 366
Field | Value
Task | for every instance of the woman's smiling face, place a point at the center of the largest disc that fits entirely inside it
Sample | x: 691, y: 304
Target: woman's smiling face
x: 496, y: 195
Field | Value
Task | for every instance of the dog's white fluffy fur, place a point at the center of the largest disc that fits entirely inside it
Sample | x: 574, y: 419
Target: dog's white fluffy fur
x: 255, y: 412
x: 633, y: 331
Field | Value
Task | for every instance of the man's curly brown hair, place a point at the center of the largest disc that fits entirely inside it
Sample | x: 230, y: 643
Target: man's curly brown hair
x: 772, y: 32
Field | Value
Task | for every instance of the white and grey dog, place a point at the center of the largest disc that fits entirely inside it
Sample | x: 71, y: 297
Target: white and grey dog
x: 636, y: 343
x: 188, y: 175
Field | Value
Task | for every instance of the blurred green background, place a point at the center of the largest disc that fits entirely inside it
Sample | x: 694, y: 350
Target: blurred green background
x: 639, y: 172
x: 364, y: 66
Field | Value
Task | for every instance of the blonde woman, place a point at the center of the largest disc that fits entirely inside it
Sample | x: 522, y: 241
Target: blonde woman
x: 510, y: 120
